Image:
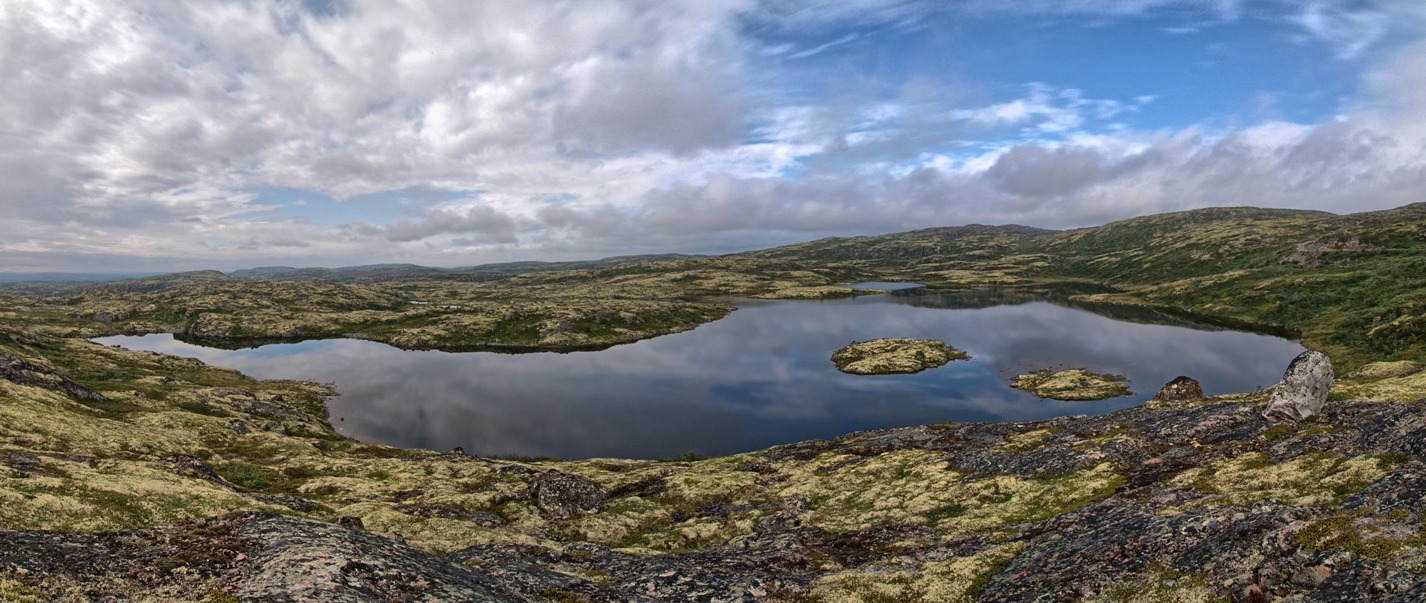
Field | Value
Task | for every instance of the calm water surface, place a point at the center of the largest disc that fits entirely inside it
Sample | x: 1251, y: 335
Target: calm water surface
x: 760, y: 377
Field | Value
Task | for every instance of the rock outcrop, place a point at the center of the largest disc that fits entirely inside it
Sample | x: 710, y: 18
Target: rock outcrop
x: 23, y: 372
x: 1303, y: 389
x: 1181, y: 389
x: 243, y: 557
x: 561, y: 495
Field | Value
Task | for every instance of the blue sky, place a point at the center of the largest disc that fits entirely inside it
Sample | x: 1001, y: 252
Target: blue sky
x: 171, y: 136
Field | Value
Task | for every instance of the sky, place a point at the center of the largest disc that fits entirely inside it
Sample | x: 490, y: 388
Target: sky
x: 153, y: 135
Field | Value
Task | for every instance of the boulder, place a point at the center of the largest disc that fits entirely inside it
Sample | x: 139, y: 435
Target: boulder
x: 1181, y: 389
x: 1303, y: 388
x: 560, y: 495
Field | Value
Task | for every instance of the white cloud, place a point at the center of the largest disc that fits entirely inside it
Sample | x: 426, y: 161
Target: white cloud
x: 1353, y: 28
x: 1044, y: 111
x: 132, y: 133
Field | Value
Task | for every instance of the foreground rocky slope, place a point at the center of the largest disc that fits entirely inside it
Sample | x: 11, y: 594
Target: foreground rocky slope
x: 1173, y: 500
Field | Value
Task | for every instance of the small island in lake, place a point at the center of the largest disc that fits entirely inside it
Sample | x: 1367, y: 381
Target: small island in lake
x: 1077, y: 385
x: 894, y: 356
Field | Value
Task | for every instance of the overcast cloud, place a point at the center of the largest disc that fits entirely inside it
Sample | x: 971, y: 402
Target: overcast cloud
x: 226, y: 134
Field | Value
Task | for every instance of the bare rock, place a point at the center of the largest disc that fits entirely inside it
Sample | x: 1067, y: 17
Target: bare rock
x: 1181, y: 389
x: 246, y: 557
x: 23, y: 372
x: 27, y: 464
x: 296, y: 503
x: 1303, y: 388
x: 560, y: 495
x: 300, y: 560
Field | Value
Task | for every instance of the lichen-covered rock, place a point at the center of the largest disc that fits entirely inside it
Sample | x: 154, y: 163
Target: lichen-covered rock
x: 1303, y: 388
x: 241, y: 556
x: 23, y: 372
x: 891, y: 355
x: 1072, y: 385
x: 1181, y: 389
x: 561, y: 495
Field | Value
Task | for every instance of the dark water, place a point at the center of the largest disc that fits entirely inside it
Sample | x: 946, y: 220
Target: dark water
x: 760, y: 377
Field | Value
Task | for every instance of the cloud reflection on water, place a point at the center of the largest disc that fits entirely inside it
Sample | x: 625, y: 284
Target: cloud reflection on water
x: 760, y: 377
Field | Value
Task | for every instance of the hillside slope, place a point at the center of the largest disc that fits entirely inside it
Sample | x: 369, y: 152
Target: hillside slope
x: 1351, y: 285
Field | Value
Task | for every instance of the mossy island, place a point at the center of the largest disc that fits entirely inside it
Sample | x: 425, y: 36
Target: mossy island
x: 1075, y: 385
x: 895, y: 356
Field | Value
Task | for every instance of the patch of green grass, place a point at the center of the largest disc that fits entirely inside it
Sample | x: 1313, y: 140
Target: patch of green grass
x: 252, y: 477
x: 202, y: 409
x: 522, y: 458
x: 555, y: 595
x: 687, y: 457
x: 112, y: 408
x: 1278, y: 431
x: 14, y: 591
x: 945, y: 512
x: 1050, y: 506
x: 218, y: 596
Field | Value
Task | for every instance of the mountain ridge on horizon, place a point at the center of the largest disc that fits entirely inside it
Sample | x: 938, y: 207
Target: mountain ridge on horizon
x: 403, y: 269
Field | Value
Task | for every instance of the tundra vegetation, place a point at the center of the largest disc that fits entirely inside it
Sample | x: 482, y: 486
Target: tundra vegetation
x: 1072, y: 384
x: 894, y: 355
x: 1197, y: 500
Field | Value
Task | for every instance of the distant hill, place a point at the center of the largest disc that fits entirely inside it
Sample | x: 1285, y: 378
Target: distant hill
x: 975, y: 240
x: 413, y: 272
x: 64, y: 283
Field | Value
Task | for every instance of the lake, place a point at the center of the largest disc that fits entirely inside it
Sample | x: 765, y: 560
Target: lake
x: 760, y: 377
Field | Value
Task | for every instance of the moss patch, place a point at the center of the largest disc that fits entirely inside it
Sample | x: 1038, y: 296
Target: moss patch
x: 954, y: 580
x: 1383, y: 381
x: 17, y: 592
x: 1158, y: 584
x: 1320, y: 479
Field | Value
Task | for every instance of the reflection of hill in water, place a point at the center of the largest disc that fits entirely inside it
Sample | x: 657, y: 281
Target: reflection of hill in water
x: 1062, y: 295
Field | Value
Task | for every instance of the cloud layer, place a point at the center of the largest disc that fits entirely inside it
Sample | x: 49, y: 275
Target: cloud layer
x: 149, y: 135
